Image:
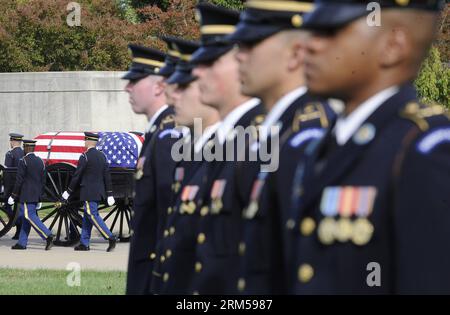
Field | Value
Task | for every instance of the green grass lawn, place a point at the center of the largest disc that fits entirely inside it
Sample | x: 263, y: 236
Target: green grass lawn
x: 48, y: 282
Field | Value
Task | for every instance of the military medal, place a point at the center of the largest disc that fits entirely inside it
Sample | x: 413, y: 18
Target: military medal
x: 362, y: 231
x: 348, y: 197
x: 252, y: 209
x: 179, y: 176
x: 326, y: 231
x: 344, y: 230
x: 216, y: 195
x: 187, y: 196
x: 362, y: 228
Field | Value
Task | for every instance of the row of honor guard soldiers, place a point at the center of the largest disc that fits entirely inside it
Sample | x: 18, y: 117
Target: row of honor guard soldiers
x: 348, y: 184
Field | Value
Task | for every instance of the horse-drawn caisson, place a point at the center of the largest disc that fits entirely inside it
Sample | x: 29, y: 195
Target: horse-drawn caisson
x: 60, y: 151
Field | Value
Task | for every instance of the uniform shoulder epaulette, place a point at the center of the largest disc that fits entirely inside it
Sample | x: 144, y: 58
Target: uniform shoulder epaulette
x: 312, y: 111
x: 169, y: 119
x: 420, y: 113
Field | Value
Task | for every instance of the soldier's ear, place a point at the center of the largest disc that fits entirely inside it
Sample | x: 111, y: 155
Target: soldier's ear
x: 160, y: 87
x: 297, y: 55
x: 394, y: 47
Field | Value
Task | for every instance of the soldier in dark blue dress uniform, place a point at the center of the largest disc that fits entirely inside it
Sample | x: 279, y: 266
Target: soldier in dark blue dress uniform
x: 16, y: 153
x: 12, y: 159
x: 28, y: 189
x: 271, y: 49
x: 219, y: 218
x: 174, y: 259
x: 146, y: 88
x: 94, y: 179
x: 370, y: 212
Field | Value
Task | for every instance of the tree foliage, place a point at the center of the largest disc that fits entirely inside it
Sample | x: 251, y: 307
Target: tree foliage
x: 433, y: 82
x: 34, y: 36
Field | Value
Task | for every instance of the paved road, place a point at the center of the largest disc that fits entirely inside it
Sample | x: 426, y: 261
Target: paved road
x: 59, y: 257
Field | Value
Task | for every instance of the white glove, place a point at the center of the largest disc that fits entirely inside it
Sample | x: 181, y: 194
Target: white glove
x: 39, y: 206
x: 10, y: 201
x: 65, y: 195
x: 111, y: 201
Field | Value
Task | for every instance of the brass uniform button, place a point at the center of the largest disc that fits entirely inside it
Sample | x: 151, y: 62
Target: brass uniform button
x: 162, y: 259
x: 242, y: 248
x: 305, y: 273
x: 241, y: 284
x: 290, y: 224
x: 172, y: 231
x: 166, y: 277
x: 152, y: 256
x: 168, y: 253
x: 204, y: 211
x: 201, y: 238
x: 297, y: 20
x: 198, y: 267
x: 166, y: 233
x: 307, y: 226
x: 169, y: 210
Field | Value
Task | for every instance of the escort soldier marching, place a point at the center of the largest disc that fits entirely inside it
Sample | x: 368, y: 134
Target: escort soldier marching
x: 146, y: 88
x: 12, y: 159
x: 371, y: 190
x: 28, y: 189
x: 93, y: 177
x: 14, y: 155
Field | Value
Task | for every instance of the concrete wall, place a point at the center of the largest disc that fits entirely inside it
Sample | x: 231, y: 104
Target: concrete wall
x: 34, y: 103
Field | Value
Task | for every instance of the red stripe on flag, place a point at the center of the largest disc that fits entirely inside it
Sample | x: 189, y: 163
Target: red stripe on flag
x: 48, y: 137
x: 60, y: 149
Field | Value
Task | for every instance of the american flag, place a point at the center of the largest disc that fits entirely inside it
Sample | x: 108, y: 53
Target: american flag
x: 120, y: 148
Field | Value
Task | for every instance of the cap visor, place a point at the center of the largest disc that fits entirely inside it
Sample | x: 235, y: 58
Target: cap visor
x: 133, y: 75
x: 333, y: 16
x: 207, y: 54
x: 167, y: 71
x: 182, y: 78
x: 251, y: 33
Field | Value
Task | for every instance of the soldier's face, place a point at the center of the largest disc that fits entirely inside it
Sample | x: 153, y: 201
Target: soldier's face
x: 261, y: 65
x: 340, y: 62
x: 14, y: 144
x: 141, y: 94
x: 187, y: 104
x: 219, y: 80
